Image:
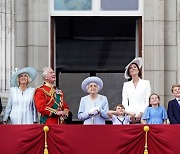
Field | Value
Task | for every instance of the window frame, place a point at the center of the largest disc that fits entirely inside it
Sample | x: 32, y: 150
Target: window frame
x: 96, y: 11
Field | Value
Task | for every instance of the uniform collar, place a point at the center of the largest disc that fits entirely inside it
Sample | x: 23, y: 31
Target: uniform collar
x: 49, y: 85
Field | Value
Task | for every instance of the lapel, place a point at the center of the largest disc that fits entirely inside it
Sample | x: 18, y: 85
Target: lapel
x: 177, y: 104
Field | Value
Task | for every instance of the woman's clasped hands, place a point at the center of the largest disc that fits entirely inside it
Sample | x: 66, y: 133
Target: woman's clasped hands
x: 94, y: 111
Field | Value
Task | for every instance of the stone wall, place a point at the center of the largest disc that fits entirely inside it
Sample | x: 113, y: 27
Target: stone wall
x: 24, y: 41
x: 24, y: 35
x: 32, y: 35
x: 171, y: 47
x: 161, y: 53
x: 7, y: 46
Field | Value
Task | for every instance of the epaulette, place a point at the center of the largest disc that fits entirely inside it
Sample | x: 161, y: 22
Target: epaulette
x: 37, y: 88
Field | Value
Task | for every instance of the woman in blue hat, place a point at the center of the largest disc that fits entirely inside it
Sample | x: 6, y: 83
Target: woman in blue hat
x: 93, y: 107
x: 20, y: 107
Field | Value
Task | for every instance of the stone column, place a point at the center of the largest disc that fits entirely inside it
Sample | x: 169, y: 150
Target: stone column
x: 171, y: 54
x: 38, y: 36
x: 153, y: 41
x: 32, y: 35
x: 178, y: 40
x: 7, y: 37
x: 21, y: 30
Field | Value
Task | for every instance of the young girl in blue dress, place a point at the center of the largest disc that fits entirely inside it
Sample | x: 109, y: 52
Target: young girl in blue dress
x: 154, y: 113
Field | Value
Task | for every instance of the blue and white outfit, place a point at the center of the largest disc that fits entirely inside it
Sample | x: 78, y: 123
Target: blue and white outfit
x: 20, y: 107
x: 155, y: 115
x: 123, y: 120
x: 86, y: 104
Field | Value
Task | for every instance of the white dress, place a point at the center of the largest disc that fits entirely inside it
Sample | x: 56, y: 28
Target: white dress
x: 136, y: 99
x: 20, y: 107
x: 86, y: 104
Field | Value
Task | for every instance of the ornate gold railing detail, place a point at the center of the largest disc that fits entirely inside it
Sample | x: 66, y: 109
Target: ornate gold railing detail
x: 46, y: 129
x: 146, y: 129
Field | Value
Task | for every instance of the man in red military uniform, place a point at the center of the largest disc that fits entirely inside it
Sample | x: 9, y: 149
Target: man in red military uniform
x: 49, y: 100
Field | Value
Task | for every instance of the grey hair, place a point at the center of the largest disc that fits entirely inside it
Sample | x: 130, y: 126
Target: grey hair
x: 45, y: 72
x: 89, y: 84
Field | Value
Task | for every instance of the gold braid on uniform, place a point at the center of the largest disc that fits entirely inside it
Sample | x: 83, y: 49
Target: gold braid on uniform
x: 50, y: 94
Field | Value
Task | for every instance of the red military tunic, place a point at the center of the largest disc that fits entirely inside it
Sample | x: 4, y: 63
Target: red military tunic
x: 47, y: 105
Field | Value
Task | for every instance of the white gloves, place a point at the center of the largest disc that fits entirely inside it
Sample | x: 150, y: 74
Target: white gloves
x: 94, y: 111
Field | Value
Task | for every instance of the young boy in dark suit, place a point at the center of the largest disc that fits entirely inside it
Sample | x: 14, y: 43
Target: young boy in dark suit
x: 174, y: 106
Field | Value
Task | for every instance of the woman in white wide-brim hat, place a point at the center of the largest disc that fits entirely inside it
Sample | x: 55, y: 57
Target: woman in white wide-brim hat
x: 20, y: 107
x: 93, y: 107
x: 136, y: 92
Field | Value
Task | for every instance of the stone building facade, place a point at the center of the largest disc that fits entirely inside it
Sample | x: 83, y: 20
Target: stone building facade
x: 25, y: 30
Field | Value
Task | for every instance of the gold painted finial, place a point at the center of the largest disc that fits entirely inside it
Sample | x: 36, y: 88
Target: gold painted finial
x: 146, y: 129
x: 46, y: 129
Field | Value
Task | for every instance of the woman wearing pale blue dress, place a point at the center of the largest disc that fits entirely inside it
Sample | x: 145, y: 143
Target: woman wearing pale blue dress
x: 93, y: 108
x: 20, y: 108
x: 154, y: 114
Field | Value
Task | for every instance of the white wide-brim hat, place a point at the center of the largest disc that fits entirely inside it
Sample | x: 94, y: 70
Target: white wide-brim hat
x: 138, y: 61
x: 29, y: 70
x: 92, y: 79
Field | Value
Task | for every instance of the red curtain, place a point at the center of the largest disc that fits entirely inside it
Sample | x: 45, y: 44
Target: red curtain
x: 89, y: 139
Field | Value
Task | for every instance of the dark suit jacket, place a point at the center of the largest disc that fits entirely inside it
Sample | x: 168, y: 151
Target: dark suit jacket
x: 174, y: 112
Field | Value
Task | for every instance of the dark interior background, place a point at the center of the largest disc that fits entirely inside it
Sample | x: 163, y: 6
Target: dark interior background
x: 93, y: 45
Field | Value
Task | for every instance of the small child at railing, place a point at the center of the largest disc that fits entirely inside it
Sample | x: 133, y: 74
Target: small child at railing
x: 154, y: 113
x: 119, y: 116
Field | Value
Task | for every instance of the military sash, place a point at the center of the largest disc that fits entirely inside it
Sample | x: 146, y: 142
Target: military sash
x: 53, y: 109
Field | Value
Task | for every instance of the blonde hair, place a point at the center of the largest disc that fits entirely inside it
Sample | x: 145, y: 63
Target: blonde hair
x: 29, y: 79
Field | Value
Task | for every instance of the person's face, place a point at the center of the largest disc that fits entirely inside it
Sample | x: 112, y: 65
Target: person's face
x: 176, y: 92
x: 93, y: 88
x: 23, y: 78
x: 154, y: 100
x: 50, y: 77
x: 133, y: 70
x: 120, y: 110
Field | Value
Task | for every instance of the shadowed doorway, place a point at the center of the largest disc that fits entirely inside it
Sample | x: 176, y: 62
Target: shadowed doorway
x: 93, y: 46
